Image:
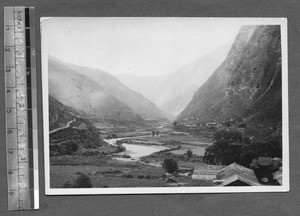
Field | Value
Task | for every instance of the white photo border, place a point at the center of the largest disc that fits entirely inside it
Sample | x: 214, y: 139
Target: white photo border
x: 285, y: 187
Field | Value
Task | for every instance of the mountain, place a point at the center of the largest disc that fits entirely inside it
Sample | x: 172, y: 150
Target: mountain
x: 246, y: 87
x: 59, y: 114
x: 149, y: 86
x: 70, y: 132
x: 112, y: 86
x: 87, y: 97
x: 172, y: 92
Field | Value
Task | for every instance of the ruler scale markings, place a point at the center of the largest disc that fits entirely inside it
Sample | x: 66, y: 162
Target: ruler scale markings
x: 20, y: 169
x: 8, y: 38
x: 21, y: 137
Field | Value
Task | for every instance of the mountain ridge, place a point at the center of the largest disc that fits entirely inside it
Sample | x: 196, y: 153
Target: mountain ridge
x: 172, y: 92
x: 247, y: 86
x: 131, y: 98
x: 87, y: 97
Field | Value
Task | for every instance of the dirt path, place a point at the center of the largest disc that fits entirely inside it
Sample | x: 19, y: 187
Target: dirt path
x: 61, y: 128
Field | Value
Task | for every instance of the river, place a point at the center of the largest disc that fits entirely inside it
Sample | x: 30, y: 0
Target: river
x: 135, y: 151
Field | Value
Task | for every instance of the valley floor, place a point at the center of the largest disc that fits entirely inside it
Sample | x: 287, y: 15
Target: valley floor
x: 135, y: 169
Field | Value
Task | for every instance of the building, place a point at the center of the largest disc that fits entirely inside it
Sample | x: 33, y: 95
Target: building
x: 265, y: 167
x: 278, y: 176
x: 211, y: 124
x: 232, y: 175
x: 208, y: 172
x: 237, y: 175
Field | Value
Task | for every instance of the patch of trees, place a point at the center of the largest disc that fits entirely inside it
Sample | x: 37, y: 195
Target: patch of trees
x: 189, y: 153
x: 175, y: 125
x: 82, y: 181
x: 120, y: 148
x: 229, y: 147
x: 170, y: 165
x: 196, y: 131
x: 66, y: 148
x: 111, y: 136
x: 84, y: 138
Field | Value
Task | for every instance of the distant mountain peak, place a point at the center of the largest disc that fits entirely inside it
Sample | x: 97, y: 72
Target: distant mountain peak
x: 172, y: 92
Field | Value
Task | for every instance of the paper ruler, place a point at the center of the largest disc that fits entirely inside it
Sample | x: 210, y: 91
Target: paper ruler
x: 21, y: 108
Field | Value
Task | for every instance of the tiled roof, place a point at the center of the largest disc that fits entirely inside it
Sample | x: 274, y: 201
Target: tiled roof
x: 208, y: 170
x: 235, y: 172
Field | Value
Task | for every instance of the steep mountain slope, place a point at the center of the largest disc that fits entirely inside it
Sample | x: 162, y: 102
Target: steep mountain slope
x: 88, y: 98
x: 69, y: 131
x: 172, y: 92
x: 247, y: 86
x: 139, y: 104
x: 59, y: 114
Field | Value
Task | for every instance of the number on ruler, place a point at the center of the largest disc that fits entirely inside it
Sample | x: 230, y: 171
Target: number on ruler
x: 10, y: 172
x: 19, y: 15
x: 19, y: 18
x: 9, y: 111
x: 7, y: 28
x: 8, y: 91
x: 7, y: 49
x: 11, y: 193
x: 7, y: 70
x: 9, y: 131
x: 21, y: 105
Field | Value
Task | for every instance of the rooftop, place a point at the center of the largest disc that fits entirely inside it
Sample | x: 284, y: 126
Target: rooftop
x: 235, y: 172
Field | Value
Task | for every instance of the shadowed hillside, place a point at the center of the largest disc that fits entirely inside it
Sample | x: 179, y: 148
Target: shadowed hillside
x: 112, y: 86
x: 247, y: 86
x: 89, y: 98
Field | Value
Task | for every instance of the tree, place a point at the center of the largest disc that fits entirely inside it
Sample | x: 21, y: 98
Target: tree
x: 82, y: 181
x: 228, y: 136
x: 120, y: 148
x: 189, y: 153
x: 228, y: 124
x: 229, y: 147
x: 226, y: 148
x: 157, y: 133
x: 175, y: 125
x: 66, y: 148
x: 153, y: 133
x: 170, y: 165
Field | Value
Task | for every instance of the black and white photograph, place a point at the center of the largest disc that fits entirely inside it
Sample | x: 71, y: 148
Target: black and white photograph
x: 141, y: 105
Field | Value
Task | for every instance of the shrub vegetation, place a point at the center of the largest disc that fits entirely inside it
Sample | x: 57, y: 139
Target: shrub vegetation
x: 170, y: 165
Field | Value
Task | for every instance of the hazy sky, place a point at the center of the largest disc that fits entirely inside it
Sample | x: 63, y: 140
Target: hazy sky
x: 141, y: 46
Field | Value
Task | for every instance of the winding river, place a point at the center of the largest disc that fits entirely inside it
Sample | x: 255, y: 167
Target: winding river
x: 135, y: 151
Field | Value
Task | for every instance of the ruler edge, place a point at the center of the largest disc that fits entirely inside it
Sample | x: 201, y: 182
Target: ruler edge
x: 34, y: 105
x: 33, y: 68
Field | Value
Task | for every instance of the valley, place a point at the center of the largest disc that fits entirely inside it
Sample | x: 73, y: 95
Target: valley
x: 131, y: 158
x: 221, y: 109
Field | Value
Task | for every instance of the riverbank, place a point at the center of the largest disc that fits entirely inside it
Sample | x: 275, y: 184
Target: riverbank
x: 137, y: 165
